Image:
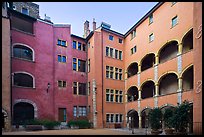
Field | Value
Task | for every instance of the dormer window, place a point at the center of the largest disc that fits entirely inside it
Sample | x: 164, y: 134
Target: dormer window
x: 25, y: 11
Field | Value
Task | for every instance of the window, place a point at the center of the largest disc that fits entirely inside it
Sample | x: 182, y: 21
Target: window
x: 111, y: 52
x: 120, y: 55
x: 84, y: 47
x: 111, y: 72
x: 107, y: 71
x: 61, y: 43
x: 75, y: 88
x: 88, y: 44
x: 62, y: 114
x: 23, y: 80
x: 107, y: 51
x: 107, y: 95
x: 81, y: 65
x: 89, y: 88
x: 151, y: 37
x: 120, y: 40
x: 82, y: 88
x: 116, y: 73
x: 25, y: 11
x: 75, y: 111
x: 111, y: 118
x: 174, y: 21
x: 173, y: 3
x: 74, y: 44
x: 117, y: 118
x: 120, y: 74
x: 62, y: 58
x: 121, y: 118
x: 107, y: 117
x: 133, y: 34
x: 88, y: 65
x: 110, y: 37
x: 62, y: 83
x: 151, y: 19
x: 118, y: 96
x: 79, y: 46
x: 111, y: 95
x: 75, y: 64
x: 82, y: 110
x: 116, y: 54
x: 23, y: 52
x: 133, y: 50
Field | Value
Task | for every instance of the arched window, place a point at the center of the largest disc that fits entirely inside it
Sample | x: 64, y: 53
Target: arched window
x: 132, y: 94
x: 23, y: 79
x: 23, y: 52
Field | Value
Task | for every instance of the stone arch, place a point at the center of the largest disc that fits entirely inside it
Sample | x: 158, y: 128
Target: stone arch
x: 188, y: 78
x: 132, y: 69
x: 145, y: 114
x: 132, y: 93
x: 147, y: 61
x: 168, y: 83
x: 25, y: 45
x: 168, y: 51
x: 147, y: 89
x: 30, y: 102
x: 133, y: 118
x: 187, y: 41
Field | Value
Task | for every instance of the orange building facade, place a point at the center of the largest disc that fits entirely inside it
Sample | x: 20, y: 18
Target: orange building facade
x: 152, y: 65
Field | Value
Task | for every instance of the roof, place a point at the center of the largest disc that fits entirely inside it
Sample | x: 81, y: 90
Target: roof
x: 19, y: 14
x: 72, y: 35
x: 144, y: 18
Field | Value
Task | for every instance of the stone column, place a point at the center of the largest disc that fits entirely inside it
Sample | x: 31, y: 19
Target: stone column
x: 180, y: 48
x: 156, y: 59
x: 179, y: 91
x: 139, y: 68
x: 140, y: 121
x: 139, y: 94
x: 156, y: 89
x: 126, y: 97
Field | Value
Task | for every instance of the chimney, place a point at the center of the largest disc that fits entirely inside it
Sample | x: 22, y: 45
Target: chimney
x: 86, y: 29
x: 94, y: 24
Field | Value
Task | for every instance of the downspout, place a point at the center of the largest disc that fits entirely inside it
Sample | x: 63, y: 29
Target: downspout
x: 102, y: 76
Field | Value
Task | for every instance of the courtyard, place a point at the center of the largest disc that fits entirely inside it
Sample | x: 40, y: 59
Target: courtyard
x: 104, y: 131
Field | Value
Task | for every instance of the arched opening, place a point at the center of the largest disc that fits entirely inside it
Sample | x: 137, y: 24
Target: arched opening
x: 22, y: 111
x: 187, y: 42
x: 163, y: 108
x: 148, y: 61
x: 147, y: 89
x: 133, y: 119
x: 188, y: 79
x: 168, y: 84
x: 23, y: 79
x: 132, y: 94
x: 168, y: 51
x: 132, y: 69
x: 145, y: 118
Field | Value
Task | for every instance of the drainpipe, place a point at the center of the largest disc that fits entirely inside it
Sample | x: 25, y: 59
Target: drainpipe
x: 102, y: 77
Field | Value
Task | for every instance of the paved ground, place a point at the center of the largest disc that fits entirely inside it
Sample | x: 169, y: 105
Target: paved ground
x: 79, y: 132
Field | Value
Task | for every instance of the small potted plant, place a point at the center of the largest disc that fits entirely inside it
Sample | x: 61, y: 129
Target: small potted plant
x: 168, y: 114
x: 155, y: 117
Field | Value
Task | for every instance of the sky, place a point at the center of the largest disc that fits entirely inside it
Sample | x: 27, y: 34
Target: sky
x: 120, y: 15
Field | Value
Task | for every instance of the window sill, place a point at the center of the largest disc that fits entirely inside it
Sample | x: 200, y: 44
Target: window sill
x: 23, y: 87
x: 23, y: 59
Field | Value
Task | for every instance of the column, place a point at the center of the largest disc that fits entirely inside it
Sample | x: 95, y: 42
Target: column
x: 126, y: 76
x: 140, y: 121
x: 139, y: 94
x: 156, y: 89
x: 180, y: 48
x: 139, y: 68
x: 156, y: 59
x: 126, y: 97
x: 179, y: 91
x: 180, y: 85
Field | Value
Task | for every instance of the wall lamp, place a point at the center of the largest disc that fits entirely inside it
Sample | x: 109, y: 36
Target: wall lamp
x: 48, y: 86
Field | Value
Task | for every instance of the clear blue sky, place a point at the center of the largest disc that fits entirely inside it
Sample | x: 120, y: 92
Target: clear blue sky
x: 120, y: 15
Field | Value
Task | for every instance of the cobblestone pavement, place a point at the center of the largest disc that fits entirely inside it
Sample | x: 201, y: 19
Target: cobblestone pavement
x: 104, y: 131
